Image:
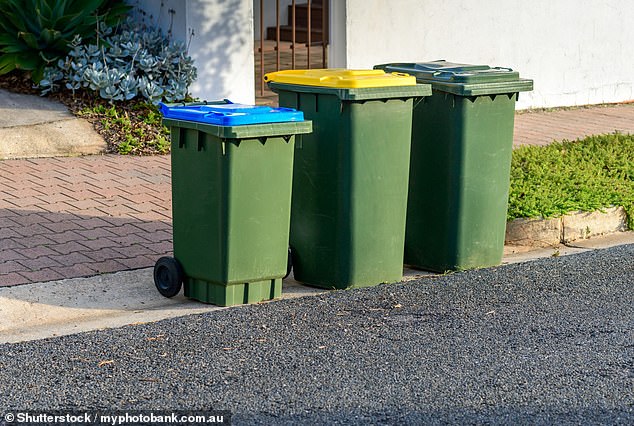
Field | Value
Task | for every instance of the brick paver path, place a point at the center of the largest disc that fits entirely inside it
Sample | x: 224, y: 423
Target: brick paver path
x: 73, y: 217
x: 541, y: 128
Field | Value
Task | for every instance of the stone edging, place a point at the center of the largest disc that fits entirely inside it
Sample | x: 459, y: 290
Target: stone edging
x: 569, y: 227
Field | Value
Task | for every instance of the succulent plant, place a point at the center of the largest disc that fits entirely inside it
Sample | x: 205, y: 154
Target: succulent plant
x: 36, y: 33
x: 133, y: 61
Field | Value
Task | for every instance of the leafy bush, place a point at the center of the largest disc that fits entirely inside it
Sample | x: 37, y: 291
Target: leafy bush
x: 587, y: 175
x: 36, y: 33
x: 135, y: 61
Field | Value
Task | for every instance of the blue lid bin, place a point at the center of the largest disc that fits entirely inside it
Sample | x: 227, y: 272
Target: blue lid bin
x: 227, y: 113
x: 232, y: 174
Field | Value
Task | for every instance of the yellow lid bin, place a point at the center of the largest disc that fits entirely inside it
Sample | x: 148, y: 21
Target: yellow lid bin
x: 350, y: 175
x: 341, y: 78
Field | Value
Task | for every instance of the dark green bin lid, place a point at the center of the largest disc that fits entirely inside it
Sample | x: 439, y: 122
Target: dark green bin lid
x: 357, y: 94
x: 463, y: 79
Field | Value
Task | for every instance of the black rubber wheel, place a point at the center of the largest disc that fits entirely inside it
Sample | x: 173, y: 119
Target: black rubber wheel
x: 289, y: 263
x: 168, y: 276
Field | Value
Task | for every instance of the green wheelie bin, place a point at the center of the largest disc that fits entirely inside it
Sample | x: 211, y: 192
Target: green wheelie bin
x: 350, y: 178
x: 462, y: 140
x: 232, y: 170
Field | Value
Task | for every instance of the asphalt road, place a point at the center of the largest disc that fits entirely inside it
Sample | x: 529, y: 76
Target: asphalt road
x: 543, y: 342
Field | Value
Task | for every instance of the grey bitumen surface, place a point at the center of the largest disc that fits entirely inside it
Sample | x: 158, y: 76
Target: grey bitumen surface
x: 543, y: 342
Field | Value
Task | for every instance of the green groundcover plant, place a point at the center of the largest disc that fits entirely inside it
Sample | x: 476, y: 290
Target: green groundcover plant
x: 588, y: 174
x: 133, y: 127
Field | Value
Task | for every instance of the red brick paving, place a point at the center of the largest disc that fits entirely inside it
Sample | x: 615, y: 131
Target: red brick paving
x: 73, y: 217
x: 541, y: 128
x: 82, y: 216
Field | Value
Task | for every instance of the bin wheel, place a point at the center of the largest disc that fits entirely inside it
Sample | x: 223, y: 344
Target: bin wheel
x: 168, y: 276
x: 289, y: 263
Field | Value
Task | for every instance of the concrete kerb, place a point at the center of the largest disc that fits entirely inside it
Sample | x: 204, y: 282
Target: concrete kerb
x: 565, y: 229
x: 56, y: 308
x: 69, y: 306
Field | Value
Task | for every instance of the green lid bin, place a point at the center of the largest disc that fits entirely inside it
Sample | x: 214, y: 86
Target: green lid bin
x: 231, y: 193
x: 462, y: 140
x: 350, y: 177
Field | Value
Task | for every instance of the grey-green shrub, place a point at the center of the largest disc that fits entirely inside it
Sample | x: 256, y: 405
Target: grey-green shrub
x: 131, y: 62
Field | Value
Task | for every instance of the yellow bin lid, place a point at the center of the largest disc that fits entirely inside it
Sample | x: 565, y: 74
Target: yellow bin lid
x: 341, y: 78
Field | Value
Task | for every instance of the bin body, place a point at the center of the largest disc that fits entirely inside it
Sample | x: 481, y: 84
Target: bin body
x: 350, y: 183
x: 231, y: 191
x: 462, y: 141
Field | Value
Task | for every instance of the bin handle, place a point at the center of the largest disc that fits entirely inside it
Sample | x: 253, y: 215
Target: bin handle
x: 330, y: 78
x: 442, y: 75
x: 503, y: 68
x: 401, y: 74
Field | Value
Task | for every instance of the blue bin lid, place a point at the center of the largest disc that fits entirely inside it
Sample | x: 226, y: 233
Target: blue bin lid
x: 226, y: 113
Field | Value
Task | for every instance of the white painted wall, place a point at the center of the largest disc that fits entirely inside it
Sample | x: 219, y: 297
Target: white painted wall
x: 577, y: 51
x: 222, y: 45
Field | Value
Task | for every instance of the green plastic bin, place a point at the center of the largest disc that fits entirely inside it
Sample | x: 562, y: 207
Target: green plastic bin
x: 462, y: 140
x: 350, y: 177
x: 231, y: 194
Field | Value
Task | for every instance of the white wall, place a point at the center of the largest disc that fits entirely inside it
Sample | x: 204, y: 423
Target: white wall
x: 222, y: 45
x: 577, y: 51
